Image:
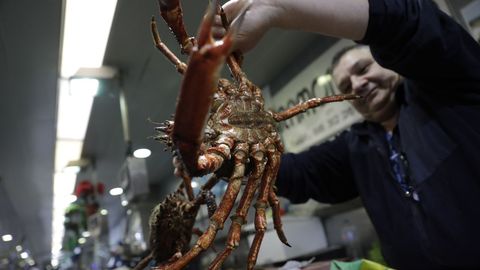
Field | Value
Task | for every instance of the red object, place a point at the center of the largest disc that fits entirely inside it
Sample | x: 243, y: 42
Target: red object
x: 100, y: 188
x: 84, y: 188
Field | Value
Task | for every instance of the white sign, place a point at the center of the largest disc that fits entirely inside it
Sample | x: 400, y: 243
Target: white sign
x: 319, y: 124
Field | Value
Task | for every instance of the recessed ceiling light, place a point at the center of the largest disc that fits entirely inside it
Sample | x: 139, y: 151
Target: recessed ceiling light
x: 7, y: 237
x: 142, y: 153
x: 24, y: 255
x: 116, y: 191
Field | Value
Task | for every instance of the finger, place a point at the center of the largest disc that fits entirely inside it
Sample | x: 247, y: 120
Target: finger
x: 237, y: 22
x: 218, y: 32
x: 232, y: 9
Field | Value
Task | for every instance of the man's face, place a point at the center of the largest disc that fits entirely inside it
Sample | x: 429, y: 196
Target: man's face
x: 358, y: 73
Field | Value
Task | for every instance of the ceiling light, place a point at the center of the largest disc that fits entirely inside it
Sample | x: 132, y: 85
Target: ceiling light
x: 116, y: 191
x: 77, y: 250
x: 86, y: 234
x: 82, y: 240
x: 142, y: 153
x: 124, y: 203
x: 24, y: 255
x: 7, y: 237
x: 103, y: 212
x: 83, y: 87
x: 72, y: 169
x: 75, y: 166
x: 85, y: 21
x: 86, y: 27
x: 18, y: 248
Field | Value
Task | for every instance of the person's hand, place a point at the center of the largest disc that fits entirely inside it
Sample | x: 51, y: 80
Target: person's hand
x: 250, y: 20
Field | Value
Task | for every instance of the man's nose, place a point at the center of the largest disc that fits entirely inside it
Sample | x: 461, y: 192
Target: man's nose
x: 359, y: 84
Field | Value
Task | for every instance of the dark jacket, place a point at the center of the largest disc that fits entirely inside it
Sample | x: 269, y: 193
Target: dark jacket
x: 438, y: 132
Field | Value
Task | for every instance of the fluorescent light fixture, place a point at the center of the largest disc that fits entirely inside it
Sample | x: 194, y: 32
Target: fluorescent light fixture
x: 72, y: 169
x: 7, y: 237
x: 116, y: 191
x: 142, y: 153
x: 86, y: 28
x: 104, y: 212
x: 73, y: 113
x: 84, y: 87
x: 103, y: 72
x: 24, y: 255
x: 75, y: 166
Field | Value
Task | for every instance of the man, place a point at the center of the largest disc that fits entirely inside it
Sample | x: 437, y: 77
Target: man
x: 415, y: 160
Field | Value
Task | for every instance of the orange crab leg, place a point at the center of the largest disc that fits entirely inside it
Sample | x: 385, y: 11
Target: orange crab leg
x: 179, y: 65
x: 309, y: 104
x: 172, y: 13
x: 261, y: 204
x: 239, y: 218
x: 218, y: 219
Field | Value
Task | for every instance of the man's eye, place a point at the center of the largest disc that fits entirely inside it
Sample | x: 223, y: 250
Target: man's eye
x: 346, y: 89
x: 363, y: 70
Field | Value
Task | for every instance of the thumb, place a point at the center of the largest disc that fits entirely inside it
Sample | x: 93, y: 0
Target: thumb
x: 233, y: 9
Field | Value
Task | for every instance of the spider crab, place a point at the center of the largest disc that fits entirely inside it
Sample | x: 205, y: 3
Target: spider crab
x: 222, y: 125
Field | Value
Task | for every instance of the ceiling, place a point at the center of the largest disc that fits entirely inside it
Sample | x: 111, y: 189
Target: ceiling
x: 29, y: 53
x: 29, y: 60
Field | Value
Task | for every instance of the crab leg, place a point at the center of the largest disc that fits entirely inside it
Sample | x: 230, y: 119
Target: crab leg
x: 233, y: 60
x: 179, y: 65
x: 172, y: 13
x: 309, y: 104
x: 277, y: 221
x: 219, y: 217
x: 239, y: 218
x: 261, y: 204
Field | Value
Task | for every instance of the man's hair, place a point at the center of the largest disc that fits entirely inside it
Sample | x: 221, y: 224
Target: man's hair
x: 336, y: 58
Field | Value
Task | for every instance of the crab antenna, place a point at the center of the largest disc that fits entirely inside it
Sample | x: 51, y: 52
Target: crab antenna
x: 232, y: 60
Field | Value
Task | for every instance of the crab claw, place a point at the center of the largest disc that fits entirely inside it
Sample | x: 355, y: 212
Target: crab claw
x: 196, y: 93
x: 172, y: 13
